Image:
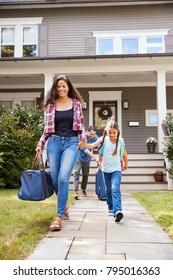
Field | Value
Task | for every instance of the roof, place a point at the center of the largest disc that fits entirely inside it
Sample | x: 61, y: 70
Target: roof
x: 82, y: 2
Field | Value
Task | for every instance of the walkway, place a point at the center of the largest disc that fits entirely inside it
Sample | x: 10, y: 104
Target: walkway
x: 91, y: 234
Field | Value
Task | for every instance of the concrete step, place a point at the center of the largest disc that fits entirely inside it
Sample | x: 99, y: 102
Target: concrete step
x: 138, y: 176
x: 135, y: 186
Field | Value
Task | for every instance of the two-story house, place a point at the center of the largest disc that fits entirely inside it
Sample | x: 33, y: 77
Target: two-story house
x: 119, y: 54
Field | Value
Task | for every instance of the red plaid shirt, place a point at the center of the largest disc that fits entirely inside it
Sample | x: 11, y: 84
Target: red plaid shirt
x: 49, y: 122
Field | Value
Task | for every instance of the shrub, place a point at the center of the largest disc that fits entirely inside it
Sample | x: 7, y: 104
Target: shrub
x: 20, y: 129
x: 2, y: 184
x: 168, y: 121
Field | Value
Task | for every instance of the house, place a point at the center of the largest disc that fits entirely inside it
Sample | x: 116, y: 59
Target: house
x: 119, y: 54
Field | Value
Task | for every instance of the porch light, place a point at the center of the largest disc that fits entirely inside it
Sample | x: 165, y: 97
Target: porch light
x: 125, y: 105
x: 84, y: 105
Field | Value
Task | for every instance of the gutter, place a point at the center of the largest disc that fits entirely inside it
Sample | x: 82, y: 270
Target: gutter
x: 95, y: 57
x: 70, y: 4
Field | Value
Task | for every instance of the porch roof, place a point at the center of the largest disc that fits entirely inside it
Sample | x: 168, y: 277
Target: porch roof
x: 88, y: 71
x: 18, y: 4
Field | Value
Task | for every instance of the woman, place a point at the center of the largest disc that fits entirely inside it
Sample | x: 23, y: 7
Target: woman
x: 64, y: 123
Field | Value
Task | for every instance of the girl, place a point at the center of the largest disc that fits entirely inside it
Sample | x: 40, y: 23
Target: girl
x: 114, y: 160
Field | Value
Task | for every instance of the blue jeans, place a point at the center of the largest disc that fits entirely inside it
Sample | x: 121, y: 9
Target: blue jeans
x: 62, y: 154
x: 113, y: 193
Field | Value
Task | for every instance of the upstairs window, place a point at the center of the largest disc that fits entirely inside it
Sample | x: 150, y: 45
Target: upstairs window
x: 19, y: 37
x: 105, y: 46
x: 155, y: 45
x: 136, y: 42
x: 29, y: 41
x: 129, y: 45
x: 7, y: 41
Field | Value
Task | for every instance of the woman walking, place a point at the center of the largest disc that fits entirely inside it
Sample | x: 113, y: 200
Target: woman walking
x: 63, y: 126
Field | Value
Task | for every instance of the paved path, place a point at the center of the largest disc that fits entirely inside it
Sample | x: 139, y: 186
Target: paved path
x: 91, y: 234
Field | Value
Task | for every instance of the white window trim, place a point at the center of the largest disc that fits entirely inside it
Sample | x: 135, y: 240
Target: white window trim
x: 18, y: 24
x: 148, y: 113
x: 118, y: 35
x: 20, y: 21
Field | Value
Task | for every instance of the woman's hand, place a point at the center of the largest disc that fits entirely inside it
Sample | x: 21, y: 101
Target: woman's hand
x: 38, y: 152
x: 81, y: 145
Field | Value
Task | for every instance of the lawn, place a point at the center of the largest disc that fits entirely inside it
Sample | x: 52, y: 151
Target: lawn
x: 23, y: 223
x: 160, y: 206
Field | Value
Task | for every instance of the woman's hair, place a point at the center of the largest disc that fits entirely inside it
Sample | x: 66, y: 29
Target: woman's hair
x: 111, y: 124
x: 53, y: 94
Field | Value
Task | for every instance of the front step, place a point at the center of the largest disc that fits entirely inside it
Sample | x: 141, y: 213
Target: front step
x: 138, y: 176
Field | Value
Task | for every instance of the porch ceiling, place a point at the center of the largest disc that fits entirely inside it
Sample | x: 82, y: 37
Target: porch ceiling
x: 92, y: 80
x: 87, y: 72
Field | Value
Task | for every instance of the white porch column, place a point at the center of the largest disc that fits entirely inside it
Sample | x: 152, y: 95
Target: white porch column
x: 48, y: 80
x: 161, y: 105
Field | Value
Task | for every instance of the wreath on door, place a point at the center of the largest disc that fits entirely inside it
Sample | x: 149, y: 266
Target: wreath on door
x: 105, y: 112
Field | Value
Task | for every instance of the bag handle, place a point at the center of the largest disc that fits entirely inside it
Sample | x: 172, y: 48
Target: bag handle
x: 36, y: 160
x: 43, y: 169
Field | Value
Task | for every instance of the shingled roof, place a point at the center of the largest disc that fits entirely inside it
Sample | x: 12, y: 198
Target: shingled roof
x: 24, y: 2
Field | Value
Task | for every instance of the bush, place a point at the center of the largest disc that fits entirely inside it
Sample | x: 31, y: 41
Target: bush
x: 20, y: 130
x: 168, y: 121
x: 2, y: 184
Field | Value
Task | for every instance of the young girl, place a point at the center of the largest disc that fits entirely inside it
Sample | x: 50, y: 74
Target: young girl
x: 114, y: 160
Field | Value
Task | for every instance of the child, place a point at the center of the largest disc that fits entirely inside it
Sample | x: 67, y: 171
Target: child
x: 114, y: 160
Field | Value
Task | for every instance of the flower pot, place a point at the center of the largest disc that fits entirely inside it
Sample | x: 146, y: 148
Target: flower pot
x: 158, y: 177
x: 151, y: 148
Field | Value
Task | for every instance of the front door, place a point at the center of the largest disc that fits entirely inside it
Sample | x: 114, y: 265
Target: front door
x: 102, y: 113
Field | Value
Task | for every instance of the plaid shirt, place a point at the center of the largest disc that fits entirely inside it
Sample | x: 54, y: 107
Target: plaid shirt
x: 49, y: 122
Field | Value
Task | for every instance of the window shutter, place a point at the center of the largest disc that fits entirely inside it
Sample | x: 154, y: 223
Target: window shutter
x: 91, y: 46
x: 169, y: 43
x: 42, y: 40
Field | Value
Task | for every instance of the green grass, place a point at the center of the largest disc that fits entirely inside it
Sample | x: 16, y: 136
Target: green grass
x: 23, y: 223
x: 160, y: 206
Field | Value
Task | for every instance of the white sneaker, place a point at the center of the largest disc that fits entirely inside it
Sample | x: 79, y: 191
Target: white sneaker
x: 76, y: 196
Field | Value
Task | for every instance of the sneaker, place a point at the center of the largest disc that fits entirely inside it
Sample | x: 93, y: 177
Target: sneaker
x: 76, y: 196
x: 118, y: 216
x: 84, y: 193
x: 110, y: 212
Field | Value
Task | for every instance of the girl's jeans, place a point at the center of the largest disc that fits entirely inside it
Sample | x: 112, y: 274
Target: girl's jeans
x: 113, y: 193
x: 62, y: 154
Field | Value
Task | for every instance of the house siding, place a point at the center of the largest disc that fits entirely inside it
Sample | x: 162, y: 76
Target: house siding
x: 140, y: 99
x: 68, y: 28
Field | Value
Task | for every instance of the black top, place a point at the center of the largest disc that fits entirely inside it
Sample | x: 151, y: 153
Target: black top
x: 64, y: 123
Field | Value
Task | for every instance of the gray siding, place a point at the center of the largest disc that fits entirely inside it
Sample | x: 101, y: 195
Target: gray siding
x: 68, y: 29
x: 140, y: 99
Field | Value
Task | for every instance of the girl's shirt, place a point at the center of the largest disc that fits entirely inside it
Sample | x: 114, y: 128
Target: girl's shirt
x: 49, y: 122
x: 112, y: 163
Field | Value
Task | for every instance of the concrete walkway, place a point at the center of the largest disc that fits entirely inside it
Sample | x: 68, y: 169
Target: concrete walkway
x: 92, y: 234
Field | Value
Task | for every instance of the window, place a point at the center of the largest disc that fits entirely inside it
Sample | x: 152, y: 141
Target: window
x: 105, y: 46
x: 30, y: 41
x: 155, y: 45
x: 116, y: 42
x: 151, y: 117
x: 129, y: 45
x: 19, y: 37
x: 28, y: 103
x: 6, y: 103
x: 7, y: 41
